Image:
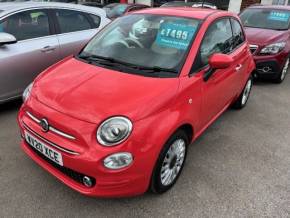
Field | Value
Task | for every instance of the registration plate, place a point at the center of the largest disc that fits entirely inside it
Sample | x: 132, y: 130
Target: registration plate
x: 47, y: 151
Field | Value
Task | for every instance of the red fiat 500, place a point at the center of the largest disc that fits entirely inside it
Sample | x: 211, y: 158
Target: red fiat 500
x: 117, y: 119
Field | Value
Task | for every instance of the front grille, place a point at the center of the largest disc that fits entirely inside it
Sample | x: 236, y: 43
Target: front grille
x: 76, y: 176
x: 50, y: 128
x: 253, y: 48
x: 48, y: 142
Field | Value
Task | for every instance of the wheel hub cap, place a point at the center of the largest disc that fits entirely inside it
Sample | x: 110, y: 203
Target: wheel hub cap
x: 285, y: 70
x: 247, y: 91
x: 173, y: 162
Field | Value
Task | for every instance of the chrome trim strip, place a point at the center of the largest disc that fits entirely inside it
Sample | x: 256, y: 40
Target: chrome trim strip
x: 52, y: 129
x: 48, y: 142
x: 253, y: 46
x: 61, y: 133
x: 33, y: 117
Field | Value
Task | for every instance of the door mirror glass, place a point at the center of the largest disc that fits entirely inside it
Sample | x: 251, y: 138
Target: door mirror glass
x: 6, y: 38
x: 220, y: 61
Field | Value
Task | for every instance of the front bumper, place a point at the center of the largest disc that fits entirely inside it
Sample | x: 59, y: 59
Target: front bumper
x: 270, y: 66
x: 129, y: 181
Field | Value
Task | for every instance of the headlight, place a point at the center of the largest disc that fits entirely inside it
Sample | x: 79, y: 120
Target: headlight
x: 273, y: 48
x: 118, y: 160
x: 114, y: 130
x: 27, y: 92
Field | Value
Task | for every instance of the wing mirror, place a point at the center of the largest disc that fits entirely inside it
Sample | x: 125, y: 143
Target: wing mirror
x: 217, y: 61
x: 220, y: 61
x: 6, y: 38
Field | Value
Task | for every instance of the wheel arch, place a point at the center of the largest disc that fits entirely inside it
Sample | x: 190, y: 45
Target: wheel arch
x: 188, y: 129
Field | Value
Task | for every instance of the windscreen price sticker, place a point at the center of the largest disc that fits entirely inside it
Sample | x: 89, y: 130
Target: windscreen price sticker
x: 175, y: 35
x: 279, y: 16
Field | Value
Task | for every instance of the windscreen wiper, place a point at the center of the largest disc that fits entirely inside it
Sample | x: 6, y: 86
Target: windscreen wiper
x: 156, y: 69
x: 102, y: 59
x: 113, y: 62
x: 280, y: 29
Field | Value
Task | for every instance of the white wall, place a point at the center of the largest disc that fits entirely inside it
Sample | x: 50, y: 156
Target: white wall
x: 235, y: 6
x: 266, y: 2
x: 145, y: 2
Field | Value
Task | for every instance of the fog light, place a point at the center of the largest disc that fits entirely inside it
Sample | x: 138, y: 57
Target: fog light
x: 87, y: 181
x: 118, y: 160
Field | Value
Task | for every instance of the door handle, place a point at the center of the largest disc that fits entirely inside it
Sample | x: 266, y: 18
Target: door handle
x: 48, y: 49
x: 239, y: 67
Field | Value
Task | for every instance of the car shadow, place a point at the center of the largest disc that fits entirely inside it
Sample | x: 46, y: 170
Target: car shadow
x: 10, y: 106
x: 264, y: 82
x: 268, y: 82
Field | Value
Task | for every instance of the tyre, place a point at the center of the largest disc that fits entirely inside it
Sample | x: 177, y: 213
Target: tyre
x: 282, y: 75
x: 244, y: 97
x: 170, y: 163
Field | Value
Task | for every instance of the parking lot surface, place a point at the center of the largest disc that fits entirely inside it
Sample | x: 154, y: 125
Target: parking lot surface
x: 240, y: 167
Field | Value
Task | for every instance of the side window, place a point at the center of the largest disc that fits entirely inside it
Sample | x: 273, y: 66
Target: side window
x: 95, y: 19
x: 27, y: 25
x: 72, y: 21
x: 216, y: 40
x: 238, y: 35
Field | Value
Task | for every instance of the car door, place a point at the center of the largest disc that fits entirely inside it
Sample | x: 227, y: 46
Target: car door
x: 241, y: 54
x: 75, y: 29
x: 218, y: 90
x: 36, y: 49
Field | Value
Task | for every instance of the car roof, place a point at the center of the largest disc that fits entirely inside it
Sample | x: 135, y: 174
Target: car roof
x: 197, y: 13
x: 7, y: 8
x: 278, y: 7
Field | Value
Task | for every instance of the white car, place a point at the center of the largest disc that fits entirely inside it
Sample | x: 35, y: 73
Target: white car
x: 35, y: 35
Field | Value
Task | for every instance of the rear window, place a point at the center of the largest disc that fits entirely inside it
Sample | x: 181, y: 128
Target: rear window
x: 72, y: 21
x: 266, y: 18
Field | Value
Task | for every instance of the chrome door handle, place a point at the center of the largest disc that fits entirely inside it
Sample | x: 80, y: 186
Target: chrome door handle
x: 48, y: 49
x: 239, y: 67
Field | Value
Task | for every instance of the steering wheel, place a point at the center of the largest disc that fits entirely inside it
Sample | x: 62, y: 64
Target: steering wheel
x: 135, y: 41
x: 129, y: 41
x: 123, y: 43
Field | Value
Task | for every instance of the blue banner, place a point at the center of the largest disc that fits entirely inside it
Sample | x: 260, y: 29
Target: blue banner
x: 175, y: 35
x: 279, y: 16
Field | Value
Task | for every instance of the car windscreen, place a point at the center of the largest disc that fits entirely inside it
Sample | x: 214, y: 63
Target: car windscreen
x: 116, y: 11
x: 145, y: 41
x: 266, y: 18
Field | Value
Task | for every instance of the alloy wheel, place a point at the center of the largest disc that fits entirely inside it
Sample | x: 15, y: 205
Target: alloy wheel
x: 173, y: 162
x: 247, y: 91
x: 285, y: 70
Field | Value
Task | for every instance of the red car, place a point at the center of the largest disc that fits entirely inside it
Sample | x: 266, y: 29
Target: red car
x: 117, y: 119
x: 267, y: 30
